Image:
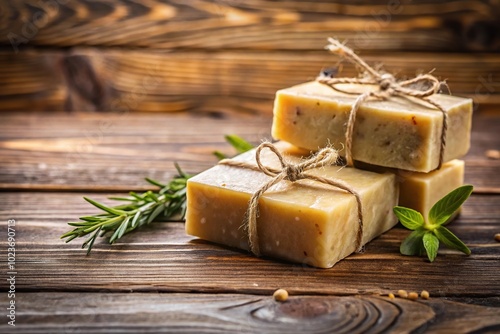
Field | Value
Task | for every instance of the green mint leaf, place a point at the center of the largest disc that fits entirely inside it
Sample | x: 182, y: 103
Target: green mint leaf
x: 450, y: 240
x: 446, y: 206
x: 240, y: 144
x: 431, y: 245
x: 410, y: 218
x: 412, y: 245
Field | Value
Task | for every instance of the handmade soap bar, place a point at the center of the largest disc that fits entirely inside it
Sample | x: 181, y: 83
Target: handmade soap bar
x: 303, y: 221
x: 420, y: 191
x: 399, y: 132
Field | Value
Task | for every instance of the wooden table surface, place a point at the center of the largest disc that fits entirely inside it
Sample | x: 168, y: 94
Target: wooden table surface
x: 159, y: 279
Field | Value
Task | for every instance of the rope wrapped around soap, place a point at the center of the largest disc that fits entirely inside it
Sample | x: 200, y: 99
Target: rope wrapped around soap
x: 387, y: 87
x: 290, y: 172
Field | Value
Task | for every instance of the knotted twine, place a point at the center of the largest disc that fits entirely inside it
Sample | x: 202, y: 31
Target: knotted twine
x: 290, y: 172
x: 387, y: 87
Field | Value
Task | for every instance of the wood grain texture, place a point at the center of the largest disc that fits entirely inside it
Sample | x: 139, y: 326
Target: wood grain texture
x: 231, y: 313
x: 198, y: 81
x: 454, y: 25
x: 159, y: 279
x: 115, y: 151
x: 161, y: 257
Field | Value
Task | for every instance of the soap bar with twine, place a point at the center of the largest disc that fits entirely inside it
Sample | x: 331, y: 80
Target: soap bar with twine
x: 375, y: 118
x: 307, y: 211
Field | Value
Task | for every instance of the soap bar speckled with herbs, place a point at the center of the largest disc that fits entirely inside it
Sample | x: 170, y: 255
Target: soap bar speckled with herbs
x: 304, y: 221
x: 399, y: 132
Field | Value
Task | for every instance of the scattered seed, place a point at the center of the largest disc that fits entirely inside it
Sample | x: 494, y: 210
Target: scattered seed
x: 493, y: 154
x: 424, y: 294
x: 391, y: 296
x: 280, y: 295
x: 413, y: 296
x: 403, y: 294
x: 497, y: 237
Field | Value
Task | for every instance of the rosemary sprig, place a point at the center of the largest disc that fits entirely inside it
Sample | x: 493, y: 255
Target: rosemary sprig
x: 139, y: 210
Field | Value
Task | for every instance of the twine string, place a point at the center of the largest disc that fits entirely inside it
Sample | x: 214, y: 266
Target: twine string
x: 387, y: 86
x: 290, y: 172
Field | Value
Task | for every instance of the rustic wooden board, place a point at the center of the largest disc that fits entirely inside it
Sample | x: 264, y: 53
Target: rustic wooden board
x: 257, y: 24
x: 199, y: 81
x: 174, y: 282
x: 231, y: 313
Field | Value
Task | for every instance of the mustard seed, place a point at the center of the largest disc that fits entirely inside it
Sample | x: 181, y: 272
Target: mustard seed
x: 403, y: 294
x: 391, y: 296
x: 413, y: 296
x: 280, y: 295
x: 424, y: 294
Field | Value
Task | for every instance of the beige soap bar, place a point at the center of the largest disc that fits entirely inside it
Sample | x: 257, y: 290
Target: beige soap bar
x: 420, y: 191
x: 398, y: 133
x: 305, y: 221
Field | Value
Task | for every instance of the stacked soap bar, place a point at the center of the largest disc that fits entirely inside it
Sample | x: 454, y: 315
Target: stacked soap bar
x: 401, y: 133
x: 420, y: 191
x: 396, y: 144
x: 304, y: 221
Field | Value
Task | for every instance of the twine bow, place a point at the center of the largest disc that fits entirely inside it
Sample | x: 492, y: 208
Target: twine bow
x: 290, y: 172
x: 387, y: 87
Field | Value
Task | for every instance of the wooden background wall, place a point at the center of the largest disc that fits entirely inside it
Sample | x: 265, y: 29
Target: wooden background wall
x: 230, y: 55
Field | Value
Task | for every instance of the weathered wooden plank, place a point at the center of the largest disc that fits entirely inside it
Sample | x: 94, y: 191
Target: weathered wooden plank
x: 96, y: 173
x: 257, y: 24
x: 115, y: 151
x: 237, y: 81
x: 162, y: 257
x: 231, y: 313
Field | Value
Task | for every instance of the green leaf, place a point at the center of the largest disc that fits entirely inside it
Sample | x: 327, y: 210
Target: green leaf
x: 219, y: 155
x: 152, y: 196
x: 431, y: 245
x: 450, y: 240
x: 119, y: 231
x: 92, y: 240
x: 181, y: 173
x: 135, y: 219
x: 136, y: 196
x: 412, y: 245
x: 154, y: 182
x: 410, y: 218
x: 155, y: 213
x: 104, y: 207
x: 446, y: 207
x: 240, y: 144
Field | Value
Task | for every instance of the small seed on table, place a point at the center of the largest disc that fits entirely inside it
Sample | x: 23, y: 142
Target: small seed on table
x: 493, y: 154
x: 280, y: 295
x: 391, y: 296
x: 403, y: 294
x: 497, y: 237
x: 424, y: 294
x: 413, y: 296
